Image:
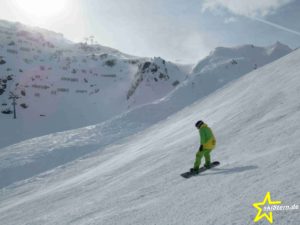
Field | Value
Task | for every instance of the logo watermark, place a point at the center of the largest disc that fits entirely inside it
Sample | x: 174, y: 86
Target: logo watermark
x: 273, y: 208
x: 268, y: 206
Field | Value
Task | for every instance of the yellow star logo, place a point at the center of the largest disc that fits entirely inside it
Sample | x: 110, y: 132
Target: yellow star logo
x: 258, y: 205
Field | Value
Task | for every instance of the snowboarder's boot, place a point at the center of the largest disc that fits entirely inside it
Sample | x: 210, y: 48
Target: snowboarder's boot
x: 194, y: 170
x: 207, y: 166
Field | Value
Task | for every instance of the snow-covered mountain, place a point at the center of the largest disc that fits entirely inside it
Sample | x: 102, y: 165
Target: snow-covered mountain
x: 226, y: 64
x: 63, y: 85
x: 197, y: 86
x: 137, y: 180
x: 245, y: 57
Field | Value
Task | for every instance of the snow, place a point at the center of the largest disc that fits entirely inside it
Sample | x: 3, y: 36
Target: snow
x: 136, y: 180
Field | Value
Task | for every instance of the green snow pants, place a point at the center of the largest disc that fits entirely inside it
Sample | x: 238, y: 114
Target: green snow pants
x: 199, y: 155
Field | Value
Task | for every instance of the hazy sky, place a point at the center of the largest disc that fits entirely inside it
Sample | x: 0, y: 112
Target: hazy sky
x: 178, y: 30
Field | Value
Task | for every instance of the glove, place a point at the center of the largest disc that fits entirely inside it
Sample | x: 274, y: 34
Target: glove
x: 201, y: 148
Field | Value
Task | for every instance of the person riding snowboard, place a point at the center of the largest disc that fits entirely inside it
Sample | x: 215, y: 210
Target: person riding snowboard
x: 208, y: 143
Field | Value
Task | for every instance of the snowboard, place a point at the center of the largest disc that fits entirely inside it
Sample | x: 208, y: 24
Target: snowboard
x: 202, y: 169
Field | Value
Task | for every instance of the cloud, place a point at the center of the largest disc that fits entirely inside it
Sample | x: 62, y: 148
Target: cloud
x: 191, y: 46
x: 230, y: 20
x: 253, y: 8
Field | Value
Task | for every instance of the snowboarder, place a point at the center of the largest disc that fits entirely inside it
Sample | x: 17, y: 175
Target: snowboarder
x: 208, y: 143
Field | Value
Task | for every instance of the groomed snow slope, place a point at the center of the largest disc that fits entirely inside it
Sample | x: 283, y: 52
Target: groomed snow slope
x: 137, y: 180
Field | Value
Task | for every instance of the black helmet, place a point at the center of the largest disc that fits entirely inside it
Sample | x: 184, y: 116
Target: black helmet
x: 199, y: 124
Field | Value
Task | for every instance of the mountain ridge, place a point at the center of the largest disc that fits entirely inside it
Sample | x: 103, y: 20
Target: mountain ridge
x: 65, y: 85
